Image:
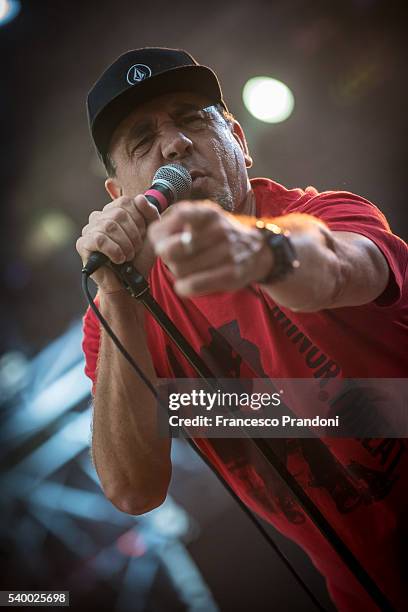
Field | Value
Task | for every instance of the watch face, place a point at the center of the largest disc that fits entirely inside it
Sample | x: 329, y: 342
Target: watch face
x: 275, y: 240
x: 284, y: 255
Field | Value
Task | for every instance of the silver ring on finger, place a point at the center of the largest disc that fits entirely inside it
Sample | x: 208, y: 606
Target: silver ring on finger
x: 186, y: 239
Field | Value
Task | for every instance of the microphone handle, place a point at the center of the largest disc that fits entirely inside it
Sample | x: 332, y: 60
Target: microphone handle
x: 153, y: 195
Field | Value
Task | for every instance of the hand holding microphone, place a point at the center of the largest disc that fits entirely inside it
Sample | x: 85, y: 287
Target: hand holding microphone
x: 119, y: 232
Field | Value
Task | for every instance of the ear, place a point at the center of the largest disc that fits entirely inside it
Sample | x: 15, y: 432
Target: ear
x: 238, y: 134
x: 113, y: 188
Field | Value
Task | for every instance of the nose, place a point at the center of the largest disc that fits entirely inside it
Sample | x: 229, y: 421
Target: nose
x: 175, y: 144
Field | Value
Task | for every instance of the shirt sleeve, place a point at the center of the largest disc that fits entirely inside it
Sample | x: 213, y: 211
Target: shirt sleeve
x: 346, y: 212
x: 90, y: 342
x: 91, y: 339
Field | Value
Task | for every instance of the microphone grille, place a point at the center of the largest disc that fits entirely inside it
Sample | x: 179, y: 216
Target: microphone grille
x: 178, y: 177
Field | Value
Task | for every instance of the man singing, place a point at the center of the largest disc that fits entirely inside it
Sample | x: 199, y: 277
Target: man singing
x: 325, y: 300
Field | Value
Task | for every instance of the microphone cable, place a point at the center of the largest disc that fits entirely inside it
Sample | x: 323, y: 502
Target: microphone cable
x: 255, y: 521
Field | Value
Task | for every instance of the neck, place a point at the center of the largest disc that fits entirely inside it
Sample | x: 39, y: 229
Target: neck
x: 248, y: 204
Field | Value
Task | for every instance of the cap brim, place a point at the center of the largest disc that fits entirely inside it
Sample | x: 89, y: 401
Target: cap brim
x: 196, y: 79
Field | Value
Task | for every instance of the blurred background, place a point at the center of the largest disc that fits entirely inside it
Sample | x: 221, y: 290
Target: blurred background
x: 344, y: 65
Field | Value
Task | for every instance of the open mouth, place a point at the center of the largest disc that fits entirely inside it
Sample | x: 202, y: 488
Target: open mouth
x: 196, y: 174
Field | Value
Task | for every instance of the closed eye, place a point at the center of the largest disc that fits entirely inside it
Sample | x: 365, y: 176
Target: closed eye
x: 143, y: 145
x: 196, y: 119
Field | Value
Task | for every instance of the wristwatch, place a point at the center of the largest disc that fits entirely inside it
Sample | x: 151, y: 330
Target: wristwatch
x: 285, y: 258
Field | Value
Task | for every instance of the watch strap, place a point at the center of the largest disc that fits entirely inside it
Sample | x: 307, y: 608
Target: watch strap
x: 285, y: 259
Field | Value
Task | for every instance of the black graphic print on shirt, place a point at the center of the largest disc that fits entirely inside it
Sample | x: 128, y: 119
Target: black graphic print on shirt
x: 347, y: 487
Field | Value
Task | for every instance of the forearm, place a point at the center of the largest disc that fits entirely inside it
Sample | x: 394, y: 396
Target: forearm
x: 132, y: 462
x: 336, y: 268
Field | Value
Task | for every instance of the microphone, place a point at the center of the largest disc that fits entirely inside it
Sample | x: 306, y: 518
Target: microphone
x: 171, y: 183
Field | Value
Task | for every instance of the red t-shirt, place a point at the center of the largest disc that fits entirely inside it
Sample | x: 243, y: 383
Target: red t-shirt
x: 358, y: 484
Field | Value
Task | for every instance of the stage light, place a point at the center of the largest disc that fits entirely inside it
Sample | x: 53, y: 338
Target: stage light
x: 268, y: 100
x: 13, y: 373
x: 52, y: 230
x: 170, y: 520
x: 131, y: 544
x: 9, y: 9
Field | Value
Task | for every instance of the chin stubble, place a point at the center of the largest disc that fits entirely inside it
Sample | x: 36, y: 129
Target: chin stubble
x: 223, y: 199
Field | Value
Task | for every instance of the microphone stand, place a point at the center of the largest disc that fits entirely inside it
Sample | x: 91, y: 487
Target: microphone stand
x: 139, y: 289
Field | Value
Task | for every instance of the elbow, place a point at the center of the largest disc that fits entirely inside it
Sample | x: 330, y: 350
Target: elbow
x: 138, y: 497
x: 129, y: 503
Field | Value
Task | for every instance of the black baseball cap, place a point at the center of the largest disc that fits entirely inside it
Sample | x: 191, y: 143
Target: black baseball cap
x: 138, y: 76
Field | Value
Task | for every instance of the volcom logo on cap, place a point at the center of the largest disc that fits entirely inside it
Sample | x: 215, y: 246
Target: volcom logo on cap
x: 137, y: 73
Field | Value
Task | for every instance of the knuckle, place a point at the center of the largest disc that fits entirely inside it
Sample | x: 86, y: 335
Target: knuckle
x: 210, y: 212
x: 108, y: 206
x: 143, y: 209
x: 94, y: 215
x: 140, y: 200
x: 119, y: 214
x: 110, y: 226
x: 129, y: 204
x: 182, y: 204
x: 78, y: 244
x: 121, y: 200
x: 100, y: 240
x: 219, y: 231
x: 184, y: 211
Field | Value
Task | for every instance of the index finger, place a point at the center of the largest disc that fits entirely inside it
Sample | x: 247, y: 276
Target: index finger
x: 148, y: 211
x: 140, y: 210
x: 196, y: 215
